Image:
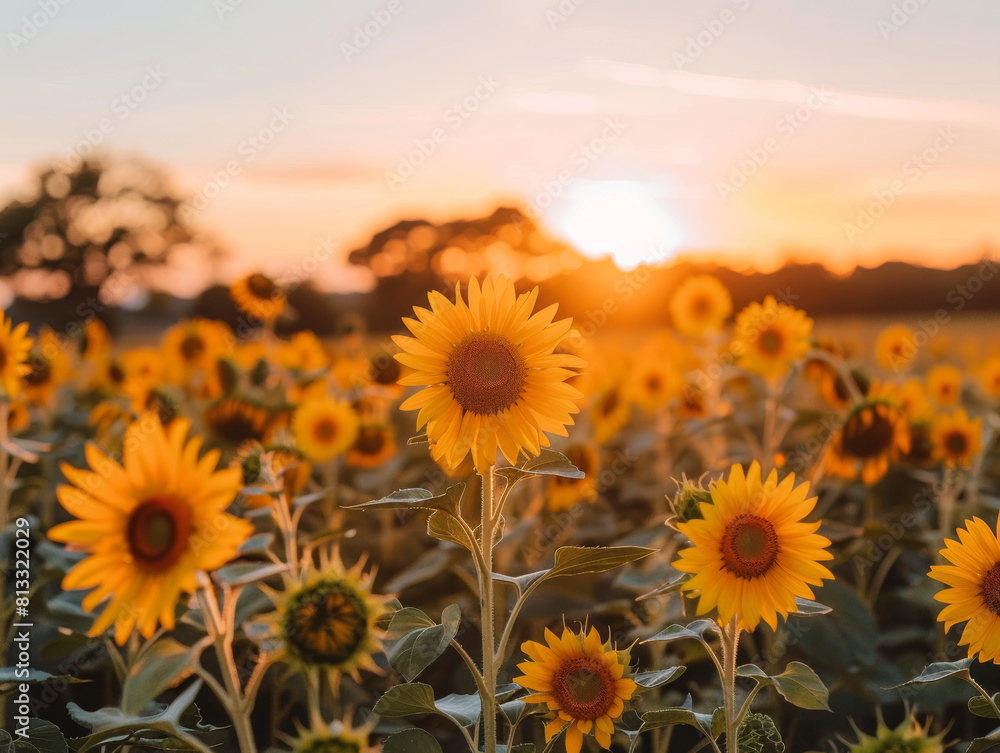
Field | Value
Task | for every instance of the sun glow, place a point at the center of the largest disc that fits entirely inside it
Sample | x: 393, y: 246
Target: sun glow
x: 616, y: 218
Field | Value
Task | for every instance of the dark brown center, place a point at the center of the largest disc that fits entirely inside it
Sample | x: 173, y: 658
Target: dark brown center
x: 956, y: 443
x: 158, y: 532
x: 771, y: 341
x: 991, y: 589
x: 868, y: 433
x: 486, y: 374
x: 193, y: 347
x: 262, y: 286
x: 749, y: 546
x: 370, y: 441
x: 325, y: 430
x: 584, y: 688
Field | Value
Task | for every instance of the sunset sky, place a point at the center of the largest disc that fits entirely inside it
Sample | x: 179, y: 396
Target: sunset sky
x: 747, y: 131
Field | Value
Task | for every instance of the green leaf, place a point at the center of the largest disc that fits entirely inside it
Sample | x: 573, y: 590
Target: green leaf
x: 680, y: 715
x: 658, y: 677
x: 696, y: 630
x: 798, y: 685
x: 41, y: 737
x: 411, y: 741
x: 406, y: 619
x: 160, y: 667
x: 417, y: 698
x: 417, y: 499
x: 416, y: 650
x: 446, y: 527
x: 718, y: 723
x: 577, y: 560
x: 11, y: 677
x: 938, y: 671
x: 667, y: 588
x: 807, y: 608
x: 547, y: 463
x: 257, y: 544
x: 983, y: 744
x: 979, y: 706
x: 243, y: 573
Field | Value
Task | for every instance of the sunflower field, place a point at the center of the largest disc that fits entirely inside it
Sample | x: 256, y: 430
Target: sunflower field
x: 495, y: 531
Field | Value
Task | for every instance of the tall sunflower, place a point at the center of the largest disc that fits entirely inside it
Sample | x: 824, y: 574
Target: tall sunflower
x: 875, y: 433
x: 753, y: 551
x: 258, y: 296
x: 770, y: 336
x: 148, y: 525
x: 491, y: 376
x: 957, y: 438
x: 328, y: 618
x: 324, y: 428
x: 193, y: 346
x: 14, y: 347
x: 564, y: 492
x: 609, y: 412
x: 374, y: 444
x: 653, y: 384
x: 989, y: 377
x: 700, y: 305
x: 581, y: 681
x: 973, y: 593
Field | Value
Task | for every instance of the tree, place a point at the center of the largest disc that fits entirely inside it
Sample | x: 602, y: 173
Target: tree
x: 94, y: 230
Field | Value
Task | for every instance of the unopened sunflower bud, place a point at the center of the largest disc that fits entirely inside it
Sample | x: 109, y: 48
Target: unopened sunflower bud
x: 757, y: 734
x: 688, y: 499
x: 909, y: 737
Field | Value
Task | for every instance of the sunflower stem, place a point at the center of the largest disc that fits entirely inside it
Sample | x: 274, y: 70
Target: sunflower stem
x: 487, y: 616
x: 730, y: 646
x: 220, y: 625
x: 989, y: 699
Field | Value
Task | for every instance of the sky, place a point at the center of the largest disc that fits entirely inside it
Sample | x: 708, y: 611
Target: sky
x: 748, y: 132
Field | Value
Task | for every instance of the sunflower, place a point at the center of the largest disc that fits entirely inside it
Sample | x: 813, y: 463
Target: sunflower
x: 143, y: 364
x: 374, y: 444
x: 770, y: 337
x: 234, y: 420
x: 908, y: 737
x: 339, y: 737
x: 148, y: 525
x: 287, y: 472
x: 700, y: 305
x: 609, y: 413
x: 957, y: 438
x: 944, y: 385
x: 582, y: 682
x: 874, y: 433
x: 328, y: 619
x: 652, y: 385
x: 491, y: 376
x: 989, y: 376
x: 691, y: 404
x: 324, y: 428
x: 14, y: 348
x: 192, y: 347
x: 563, y: 492
x: 304, y: 352
x: 836, y: 390
x: 973, y: 593
x: 912, y: 400
x: 258, y: 296
x: 894, y: 348
x: 753, y: 553
x: 50, y: 368
x: 922, y: 447
x: 18, y: 417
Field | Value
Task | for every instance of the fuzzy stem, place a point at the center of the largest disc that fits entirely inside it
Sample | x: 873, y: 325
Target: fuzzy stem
x: 730, y: 646
x: 487, y: 616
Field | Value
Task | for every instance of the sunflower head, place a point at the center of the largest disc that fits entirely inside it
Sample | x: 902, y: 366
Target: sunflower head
x: 581, y: 680
x: 922, y: 448
x: 609, y: 413
x: 491, y: 375
x: 700, y: 305
x: 688, y: 500
x: 148, y: 525
x: 895, y: 347
x: 957, y: 438
x: 374, y: 445
x: 874, y: 433
x: 753, y: 553
x: 989, y: 377
x: 770, y: 337
x: 258, y: 296
x: 652, y: 385
x: 339, y: 737
x: 329, y: 620
x: 909, y: 737
x: 758, y: 734
x: 563, y: 492
x: 972, y: 578
x: 235, y: 420
x: 324, y: 428
x: 944, y: 385
x: 14, y: 348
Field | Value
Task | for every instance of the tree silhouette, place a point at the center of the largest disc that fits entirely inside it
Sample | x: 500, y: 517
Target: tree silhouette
x: 93, y: 228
